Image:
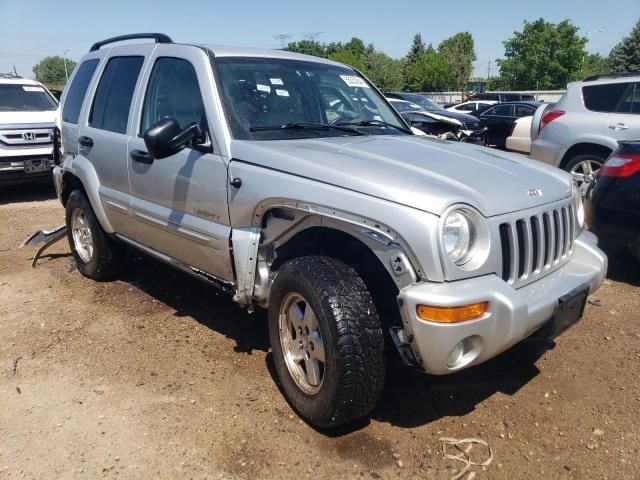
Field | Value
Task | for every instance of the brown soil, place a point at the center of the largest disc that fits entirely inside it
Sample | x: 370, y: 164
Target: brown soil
x: 155, y: 375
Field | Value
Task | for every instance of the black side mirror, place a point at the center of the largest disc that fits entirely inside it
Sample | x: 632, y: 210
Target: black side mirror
x: 167, y: 137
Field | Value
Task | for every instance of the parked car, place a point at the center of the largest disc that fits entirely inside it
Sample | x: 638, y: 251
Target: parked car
x: 432, y: 123
x: 504, y: 97
x: 520, y: 138
x: 612, y: 203
x: 471, y: 107
x: 581, y: 130
x: 56, y: 94
x: 431, y: 106
x: 499, y: 119
x: 363, y: 241
x: 27, y: 123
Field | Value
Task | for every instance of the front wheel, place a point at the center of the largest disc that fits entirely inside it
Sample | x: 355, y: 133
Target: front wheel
x: 326, y: 339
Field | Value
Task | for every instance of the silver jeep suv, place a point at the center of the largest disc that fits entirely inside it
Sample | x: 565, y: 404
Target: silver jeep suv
x: 289, y: 182
x: 581, y: 130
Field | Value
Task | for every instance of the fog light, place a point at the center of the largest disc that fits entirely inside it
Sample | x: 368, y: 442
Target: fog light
x: 456, y: 354
x: 452, y: 314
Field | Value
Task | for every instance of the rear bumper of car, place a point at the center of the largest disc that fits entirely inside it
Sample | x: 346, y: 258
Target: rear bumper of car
x: 547, y: 152
x: 512, y: 315
x: 615, y: 226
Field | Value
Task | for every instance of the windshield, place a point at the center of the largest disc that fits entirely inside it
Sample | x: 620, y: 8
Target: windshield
x: 15, y: 97
x: 425, y: 103
x: 264, y: 98
x: 403, y: 106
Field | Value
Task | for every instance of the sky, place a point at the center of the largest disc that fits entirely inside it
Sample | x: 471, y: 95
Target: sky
x: 33, y: 29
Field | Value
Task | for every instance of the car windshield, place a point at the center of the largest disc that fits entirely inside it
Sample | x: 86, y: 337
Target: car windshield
x: 423, y: 101
x: 271, y: 99
x: 403, y: 106
x: 16, y: 97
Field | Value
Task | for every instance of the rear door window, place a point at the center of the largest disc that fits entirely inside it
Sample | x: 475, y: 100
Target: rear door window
x: 499, y: 111
x: 605, y: 98
x: 631, y: 100
x: 112, y: 102
x: 524, y: 111
x: 78, y: 90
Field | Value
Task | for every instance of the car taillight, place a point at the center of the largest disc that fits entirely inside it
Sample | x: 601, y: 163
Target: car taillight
x: 550, y: 116
x: 621, y: 165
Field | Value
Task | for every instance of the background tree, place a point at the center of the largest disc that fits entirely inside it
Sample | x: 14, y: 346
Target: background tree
x: 353, y: 53
x: 416, y: 51
x: 385, y: 72
x: 543, y: 56
x: 429, y: 73
x: 308, y: 47
x: 51, y: 70
x: 594, y: 64
x: 625, y: 56
x: 459, y: 52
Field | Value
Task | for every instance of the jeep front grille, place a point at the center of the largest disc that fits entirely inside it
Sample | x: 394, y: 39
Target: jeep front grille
x: 536, y: 244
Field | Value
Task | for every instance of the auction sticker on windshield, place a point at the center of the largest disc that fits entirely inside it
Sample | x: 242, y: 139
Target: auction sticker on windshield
x: 353, y: 81
x: 33, y: 89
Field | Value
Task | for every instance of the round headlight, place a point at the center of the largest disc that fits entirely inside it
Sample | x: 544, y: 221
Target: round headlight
x: 458, y: 236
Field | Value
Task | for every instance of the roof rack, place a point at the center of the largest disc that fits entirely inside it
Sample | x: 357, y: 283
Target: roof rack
x: 611, y: 75
x: 158, y: 37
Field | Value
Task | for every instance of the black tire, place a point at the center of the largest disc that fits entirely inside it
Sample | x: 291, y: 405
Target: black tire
x: 354, y: 367
x: 108, y: 255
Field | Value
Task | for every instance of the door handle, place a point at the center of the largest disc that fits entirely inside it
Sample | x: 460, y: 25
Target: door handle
x: 85, y: 141
x: 140, y: 156
x: 618, y: 126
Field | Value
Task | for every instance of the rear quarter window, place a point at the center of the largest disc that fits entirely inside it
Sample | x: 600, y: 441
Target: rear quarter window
x: 77, y: 90
x: 604, y: 98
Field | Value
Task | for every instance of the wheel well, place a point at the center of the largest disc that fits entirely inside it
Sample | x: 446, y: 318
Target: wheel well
x: 70, y: 183
x: 583, y: 148
x: 353, y: 252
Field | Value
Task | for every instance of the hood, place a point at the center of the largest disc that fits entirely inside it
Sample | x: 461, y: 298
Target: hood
x: 419, y: 172
x: 462, y: 117
x: 28, y: 118
x: 436, y: 115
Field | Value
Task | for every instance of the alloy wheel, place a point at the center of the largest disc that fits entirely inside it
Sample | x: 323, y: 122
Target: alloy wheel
x: 302, y: 343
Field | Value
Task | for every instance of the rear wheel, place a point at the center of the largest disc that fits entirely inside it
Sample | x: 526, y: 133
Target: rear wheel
x: 584, y: 168
x: 96, y: 254
x: 326, y: 339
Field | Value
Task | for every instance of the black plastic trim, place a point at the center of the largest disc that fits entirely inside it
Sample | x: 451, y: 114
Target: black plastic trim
x: 158, y: 37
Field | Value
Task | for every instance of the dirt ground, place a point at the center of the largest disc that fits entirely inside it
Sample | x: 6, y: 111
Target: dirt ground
x: 155, y: 375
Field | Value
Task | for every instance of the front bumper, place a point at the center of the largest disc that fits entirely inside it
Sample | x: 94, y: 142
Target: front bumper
x: 14, y: 169
x: 513, y: 315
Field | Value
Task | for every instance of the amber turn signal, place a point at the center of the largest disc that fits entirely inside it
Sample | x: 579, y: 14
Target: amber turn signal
x: 452, y: 314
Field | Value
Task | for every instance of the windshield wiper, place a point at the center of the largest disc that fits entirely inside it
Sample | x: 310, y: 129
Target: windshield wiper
x: 306, y: 125
x: 374, y: 123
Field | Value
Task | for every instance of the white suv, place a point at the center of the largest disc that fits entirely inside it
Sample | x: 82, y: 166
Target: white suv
x: 27, y: 126
x: 581, y: 130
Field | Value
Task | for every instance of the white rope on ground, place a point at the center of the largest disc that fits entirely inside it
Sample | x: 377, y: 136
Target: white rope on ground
x: 463, y: 447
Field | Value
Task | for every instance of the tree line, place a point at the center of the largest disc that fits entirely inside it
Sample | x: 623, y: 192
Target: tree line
x: 543, y: 56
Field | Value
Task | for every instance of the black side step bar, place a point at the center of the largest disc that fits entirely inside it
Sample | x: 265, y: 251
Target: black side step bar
x: 158, y: 37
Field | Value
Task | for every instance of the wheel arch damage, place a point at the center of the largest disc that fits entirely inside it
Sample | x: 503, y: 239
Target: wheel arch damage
x: 284, y: 229
x: 81, y: 174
